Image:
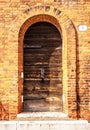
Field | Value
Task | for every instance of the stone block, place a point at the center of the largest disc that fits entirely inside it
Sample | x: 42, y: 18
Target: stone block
x: 8, y: 125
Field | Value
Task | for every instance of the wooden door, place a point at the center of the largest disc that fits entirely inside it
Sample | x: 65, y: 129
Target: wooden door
x: 42, y: 68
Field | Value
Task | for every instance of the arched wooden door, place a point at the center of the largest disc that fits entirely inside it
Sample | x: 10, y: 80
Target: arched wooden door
x: 42, y: 68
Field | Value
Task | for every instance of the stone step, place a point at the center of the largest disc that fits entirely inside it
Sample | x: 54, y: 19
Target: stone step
x: 45, y: 125
x: 42, y: 116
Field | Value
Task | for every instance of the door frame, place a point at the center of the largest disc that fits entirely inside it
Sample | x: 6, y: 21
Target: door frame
x: 68, y: 34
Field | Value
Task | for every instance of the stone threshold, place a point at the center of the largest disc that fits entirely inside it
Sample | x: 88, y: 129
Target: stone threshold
x: 42, y: 116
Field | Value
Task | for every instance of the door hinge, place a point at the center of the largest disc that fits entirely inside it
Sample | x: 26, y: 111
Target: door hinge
x: 22, y: 75
x: 22, y: 98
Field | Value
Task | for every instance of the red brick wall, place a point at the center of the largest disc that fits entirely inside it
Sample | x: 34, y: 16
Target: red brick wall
x: 15, y: 17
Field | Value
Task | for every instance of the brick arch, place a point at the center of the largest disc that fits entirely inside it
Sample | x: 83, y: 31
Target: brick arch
x: 68, y: 33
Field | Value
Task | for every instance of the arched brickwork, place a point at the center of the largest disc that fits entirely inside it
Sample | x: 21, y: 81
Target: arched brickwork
x: 14, y: 15
x: 17, y: 30
x: 65, y: 26
x: 67, y: 30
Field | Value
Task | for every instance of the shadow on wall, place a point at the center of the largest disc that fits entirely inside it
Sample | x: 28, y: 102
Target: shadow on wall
x: 4, y: 115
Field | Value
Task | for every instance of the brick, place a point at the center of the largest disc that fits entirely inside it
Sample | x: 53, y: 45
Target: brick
x: 16, y: 16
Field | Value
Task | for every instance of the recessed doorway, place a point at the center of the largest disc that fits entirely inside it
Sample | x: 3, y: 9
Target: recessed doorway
x: 42, y: 64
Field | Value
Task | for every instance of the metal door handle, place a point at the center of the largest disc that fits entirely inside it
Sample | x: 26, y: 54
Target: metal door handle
x: 42, y: 73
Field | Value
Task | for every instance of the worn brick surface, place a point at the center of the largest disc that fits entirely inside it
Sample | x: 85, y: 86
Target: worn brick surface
x: 15, y: 17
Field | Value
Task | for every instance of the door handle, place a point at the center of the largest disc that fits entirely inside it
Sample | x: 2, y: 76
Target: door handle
x: 42, y: 73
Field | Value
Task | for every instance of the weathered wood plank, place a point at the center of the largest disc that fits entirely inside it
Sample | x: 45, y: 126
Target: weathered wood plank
x: 42, y: 49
